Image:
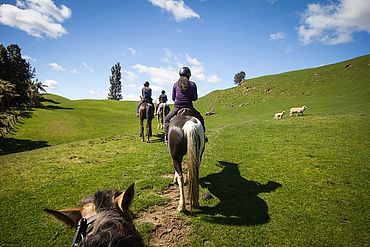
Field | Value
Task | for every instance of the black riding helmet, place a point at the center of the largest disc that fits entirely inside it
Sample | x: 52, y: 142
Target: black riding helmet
x: 146, y: 84
x: 163, y: 92
x: 185, y: 71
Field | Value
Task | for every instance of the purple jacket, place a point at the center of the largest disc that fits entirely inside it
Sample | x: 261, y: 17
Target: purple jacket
x: 184, y: 99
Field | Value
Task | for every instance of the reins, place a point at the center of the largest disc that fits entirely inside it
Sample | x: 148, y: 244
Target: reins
x: 83, y: 227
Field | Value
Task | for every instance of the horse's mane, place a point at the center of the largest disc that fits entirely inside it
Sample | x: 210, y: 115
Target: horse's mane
x: 113, y: 228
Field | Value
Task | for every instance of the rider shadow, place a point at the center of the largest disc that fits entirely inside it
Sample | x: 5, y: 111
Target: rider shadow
x: 239, y: 202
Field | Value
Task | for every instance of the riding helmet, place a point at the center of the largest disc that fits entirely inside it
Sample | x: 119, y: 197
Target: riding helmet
x: 163, y: 92
x: 185, y: 71
x: 146, y: 84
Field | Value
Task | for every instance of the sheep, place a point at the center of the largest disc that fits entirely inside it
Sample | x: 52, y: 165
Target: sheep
x: 279, y: 115
x: 297, y: 110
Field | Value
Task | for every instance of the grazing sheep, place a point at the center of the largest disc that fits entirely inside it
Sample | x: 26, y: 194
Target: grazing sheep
x: 297, y: 110
x: 279, y: 115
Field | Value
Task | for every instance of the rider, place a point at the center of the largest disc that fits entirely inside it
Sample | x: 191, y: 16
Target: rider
x: 184, y: 92
x: 161, y: 99
x: 146, y: 96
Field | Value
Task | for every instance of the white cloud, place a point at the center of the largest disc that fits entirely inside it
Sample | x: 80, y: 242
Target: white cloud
x: 99, y: 95
x: 198, y: 71
x: 271, y: 1
x: 36, y: 17
x: 177, y: 8
x: 74, y: 71
x: 129, y: 77
x: 277, y: 36
x: 158, y: 75
x: 87, y: 67
x: 51, y: 84
x: 56, y: 67
x: 131, y: 50
x: 334, y: 23
x: 168, y: 74
x: 29, y: 58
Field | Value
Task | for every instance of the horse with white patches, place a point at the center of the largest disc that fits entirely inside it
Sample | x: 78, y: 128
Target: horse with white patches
x: 162, y: 112
x: 186, y: 137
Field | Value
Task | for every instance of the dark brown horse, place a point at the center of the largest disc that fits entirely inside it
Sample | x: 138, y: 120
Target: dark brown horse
x: 146, y: 111
x: 102, y: 220
x: 186, y: 136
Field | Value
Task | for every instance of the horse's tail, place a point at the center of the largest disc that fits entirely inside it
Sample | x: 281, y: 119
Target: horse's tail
x: 194, y: 134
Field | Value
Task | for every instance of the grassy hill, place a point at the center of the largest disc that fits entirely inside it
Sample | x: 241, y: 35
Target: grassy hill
x: 299, y: 181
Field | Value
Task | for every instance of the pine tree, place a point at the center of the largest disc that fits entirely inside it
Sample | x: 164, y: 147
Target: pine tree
x: 16, y: 75
x: 115, y: 83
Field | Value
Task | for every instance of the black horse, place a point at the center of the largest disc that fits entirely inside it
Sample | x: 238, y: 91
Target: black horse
x: 186, y: 136
x: 102, y: 220
x: 146, y: 111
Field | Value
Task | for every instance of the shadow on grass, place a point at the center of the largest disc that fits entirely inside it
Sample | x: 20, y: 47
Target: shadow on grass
x: 55, y: 107
x: 159, y: 138
x: 239, y: 202
x: 11, y: 145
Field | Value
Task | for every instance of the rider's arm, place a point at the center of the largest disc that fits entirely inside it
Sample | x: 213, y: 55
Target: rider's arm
x: 195, y: 92
x: 174, y: 92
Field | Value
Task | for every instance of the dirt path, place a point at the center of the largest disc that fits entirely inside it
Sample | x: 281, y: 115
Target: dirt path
x: 171, y: 227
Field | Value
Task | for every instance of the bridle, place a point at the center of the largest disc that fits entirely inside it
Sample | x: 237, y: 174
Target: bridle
x: 83, y: 227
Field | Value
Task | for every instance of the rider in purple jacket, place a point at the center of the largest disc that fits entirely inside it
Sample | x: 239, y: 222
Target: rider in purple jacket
x: 184, y: 92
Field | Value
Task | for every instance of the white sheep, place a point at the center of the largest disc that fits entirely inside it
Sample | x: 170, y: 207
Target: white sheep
x: 279, y: 115
x: 297, y: 110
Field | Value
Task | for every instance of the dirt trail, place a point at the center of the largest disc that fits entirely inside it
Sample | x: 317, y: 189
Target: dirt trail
x: 171, y: 227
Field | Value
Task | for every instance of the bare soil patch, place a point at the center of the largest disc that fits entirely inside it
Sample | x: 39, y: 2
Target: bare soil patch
x: 171, y: 227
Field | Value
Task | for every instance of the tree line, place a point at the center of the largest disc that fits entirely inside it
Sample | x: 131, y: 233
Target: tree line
x: 18, y: 86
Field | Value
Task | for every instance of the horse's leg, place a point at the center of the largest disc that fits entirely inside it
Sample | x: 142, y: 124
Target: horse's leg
x: 142, y: 129
x: 148, y: 130
x: 180, y: 181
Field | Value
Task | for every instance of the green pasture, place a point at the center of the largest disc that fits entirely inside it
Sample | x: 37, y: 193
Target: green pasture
x: 298, y: 181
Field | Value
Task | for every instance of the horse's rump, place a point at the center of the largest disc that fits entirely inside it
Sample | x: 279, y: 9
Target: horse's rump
x: 186, y: 136
x: 146, y: 110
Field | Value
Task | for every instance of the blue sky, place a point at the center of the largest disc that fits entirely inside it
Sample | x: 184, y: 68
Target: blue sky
x: 74, y: 44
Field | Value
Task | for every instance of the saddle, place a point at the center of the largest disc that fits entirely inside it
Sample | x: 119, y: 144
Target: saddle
x: 186, y: 112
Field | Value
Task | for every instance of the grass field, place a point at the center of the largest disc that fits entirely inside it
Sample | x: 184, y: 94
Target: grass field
x: 298, y: 181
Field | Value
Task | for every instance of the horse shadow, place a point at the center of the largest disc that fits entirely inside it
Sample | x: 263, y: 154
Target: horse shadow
x: 159, y: 137
x: 239, y: 202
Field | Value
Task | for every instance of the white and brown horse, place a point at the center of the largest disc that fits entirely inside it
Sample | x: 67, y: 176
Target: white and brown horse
x: 186, y: 137
x: 162, y: 112
x: 102, y: 220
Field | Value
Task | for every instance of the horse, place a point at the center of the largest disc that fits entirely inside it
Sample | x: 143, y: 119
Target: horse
x: 186, y: 136
x: 163, y: 110
x: 102, y: 220
x: 146, y: 111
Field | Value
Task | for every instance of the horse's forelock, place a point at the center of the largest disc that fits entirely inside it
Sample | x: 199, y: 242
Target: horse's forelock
x: 103, y: 199
x: 113, y: 228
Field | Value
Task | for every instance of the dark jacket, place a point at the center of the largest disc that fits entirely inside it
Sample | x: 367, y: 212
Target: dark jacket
x: 186, y: 99
x: 162, y: 98
x: 146, y: 93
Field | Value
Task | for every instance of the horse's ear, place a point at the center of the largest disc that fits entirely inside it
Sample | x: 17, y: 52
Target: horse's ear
x: 68, y: 216
x: 124, y: 200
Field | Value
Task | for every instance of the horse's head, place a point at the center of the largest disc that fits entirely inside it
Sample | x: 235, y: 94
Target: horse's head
x: 102, y: 220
